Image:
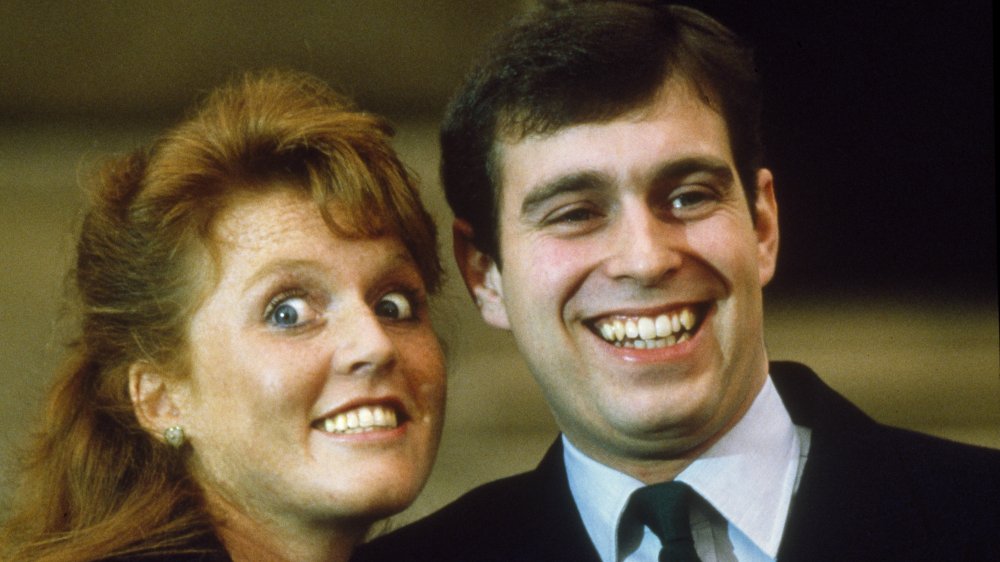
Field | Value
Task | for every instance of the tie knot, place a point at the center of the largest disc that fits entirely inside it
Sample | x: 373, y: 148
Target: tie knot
x: 664, y: 509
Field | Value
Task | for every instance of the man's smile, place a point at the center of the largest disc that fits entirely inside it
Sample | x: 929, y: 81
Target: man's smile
x: 650, y: 331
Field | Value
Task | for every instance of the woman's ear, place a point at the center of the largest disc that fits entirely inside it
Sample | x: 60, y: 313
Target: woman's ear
x: 154, y: 398
x: 481, y: 275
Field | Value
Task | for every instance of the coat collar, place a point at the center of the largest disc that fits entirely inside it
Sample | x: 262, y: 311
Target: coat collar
x: 854, y: 499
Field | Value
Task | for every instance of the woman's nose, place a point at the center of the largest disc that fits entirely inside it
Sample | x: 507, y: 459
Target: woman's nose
x: 363, y: 345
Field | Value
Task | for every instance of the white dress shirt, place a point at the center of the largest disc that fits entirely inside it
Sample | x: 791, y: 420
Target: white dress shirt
x: 745, y: 482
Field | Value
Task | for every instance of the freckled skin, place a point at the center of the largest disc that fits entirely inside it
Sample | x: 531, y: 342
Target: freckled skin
x: 255, y: 389
x: 630, y: 241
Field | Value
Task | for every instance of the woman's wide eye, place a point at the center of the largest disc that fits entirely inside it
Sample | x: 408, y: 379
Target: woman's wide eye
x: 394, y: 305
x: 288, y: 313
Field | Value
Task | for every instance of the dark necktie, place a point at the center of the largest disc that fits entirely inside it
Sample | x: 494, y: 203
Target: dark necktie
x: 664, y: 509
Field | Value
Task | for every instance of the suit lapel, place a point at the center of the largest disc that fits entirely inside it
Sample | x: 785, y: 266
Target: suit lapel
x: 853, y: 502
x: 554, y: 528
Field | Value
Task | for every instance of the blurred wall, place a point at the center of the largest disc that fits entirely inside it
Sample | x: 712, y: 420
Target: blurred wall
x: 82, y: 79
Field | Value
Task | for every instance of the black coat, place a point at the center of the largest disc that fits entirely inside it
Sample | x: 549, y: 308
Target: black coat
x: 868, y: 492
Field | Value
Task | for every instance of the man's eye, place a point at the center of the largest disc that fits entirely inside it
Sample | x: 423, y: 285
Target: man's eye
x: 692, y: 200
x: 395, y: 305
x: 288, y: 312
x: 577, y: 214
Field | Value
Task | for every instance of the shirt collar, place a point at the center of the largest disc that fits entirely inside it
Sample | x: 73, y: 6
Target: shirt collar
x: 601, y: 493
x: 748, y: 476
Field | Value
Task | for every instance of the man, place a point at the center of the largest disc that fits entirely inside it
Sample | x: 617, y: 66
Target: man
x: 604, y: 166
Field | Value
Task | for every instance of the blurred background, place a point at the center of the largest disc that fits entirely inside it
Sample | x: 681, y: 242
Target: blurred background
x: 879, y: 126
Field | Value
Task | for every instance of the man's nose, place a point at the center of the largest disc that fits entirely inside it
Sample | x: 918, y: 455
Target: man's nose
x: 645, y: 248
x: 362, y: 345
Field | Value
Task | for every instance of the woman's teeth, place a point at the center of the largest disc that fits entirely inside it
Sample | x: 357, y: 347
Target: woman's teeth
x: 358, y: 420
x: 648, y: 332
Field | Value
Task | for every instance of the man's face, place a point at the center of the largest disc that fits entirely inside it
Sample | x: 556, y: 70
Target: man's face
x: 631, y: 279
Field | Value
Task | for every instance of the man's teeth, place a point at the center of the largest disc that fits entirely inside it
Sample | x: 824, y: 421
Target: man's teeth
x: 646, y: 332
x: 358, y: 420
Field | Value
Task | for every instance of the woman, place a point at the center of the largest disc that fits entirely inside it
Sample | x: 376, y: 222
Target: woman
x: 256, y: 376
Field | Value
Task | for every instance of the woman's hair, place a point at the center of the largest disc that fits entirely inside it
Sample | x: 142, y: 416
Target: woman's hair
x: 95, y: 484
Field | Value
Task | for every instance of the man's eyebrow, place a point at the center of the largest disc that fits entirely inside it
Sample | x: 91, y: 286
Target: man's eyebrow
x: 683, y: 167
x: 579, y: 181
x: 671, y: 170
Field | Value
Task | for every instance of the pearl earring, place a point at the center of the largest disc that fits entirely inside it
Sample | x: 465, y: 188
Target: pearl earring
x: 174, y: 436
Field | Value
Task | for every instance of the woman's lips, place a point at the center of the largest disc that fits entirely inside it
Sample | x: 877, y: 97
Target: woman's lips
x: 362, y: 419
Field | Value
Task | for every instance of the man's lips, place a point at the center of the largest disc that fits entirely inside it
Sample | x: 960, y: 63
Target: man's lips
x: 662, y: 329
x: 362, y: 418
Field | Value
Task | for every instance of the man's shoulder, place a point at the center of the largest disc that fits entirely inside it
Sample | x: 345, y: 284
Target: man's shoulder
x: 480, y: 510
x: 872, y: 488
x: 893, y: 494
x: 530, y: 517
x: 812, y: 403
x: 477, y: 519
x: 840, y: 426
x: 937, y: 450
x: 951, y: 473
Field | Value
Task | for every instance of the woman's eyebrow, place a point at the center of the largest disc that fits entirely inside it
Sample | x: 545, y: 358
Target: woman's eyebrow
x: 289, y: 266
x: 276, y: 267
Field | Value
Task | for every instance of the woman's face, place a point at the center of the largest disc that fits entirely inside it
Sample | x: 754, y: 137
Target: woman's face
x: 317, y: 386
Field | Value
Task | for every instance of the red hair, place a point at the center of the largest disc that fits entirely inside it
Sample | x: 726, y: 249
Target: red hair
x: 95, y: 484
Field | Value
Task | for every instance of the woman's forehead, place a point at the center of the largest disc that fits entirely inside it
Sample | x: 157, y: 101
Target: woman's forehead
x: 254, y: 220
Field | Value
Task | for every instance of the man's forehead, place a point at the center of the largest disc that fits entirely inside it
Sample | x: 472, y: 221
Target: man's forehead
x: 515, y: 124
x: 518, y: 126
x: 677, y: 123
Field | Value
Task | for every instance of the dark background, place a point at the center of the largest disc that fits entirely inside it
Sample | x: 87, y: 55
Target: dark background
x: 879, y: 115
x: 879, y: 127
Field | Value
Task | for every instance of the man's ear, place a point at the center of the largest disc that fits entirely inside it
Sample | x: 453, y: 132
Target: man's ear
x: 481, y: 275
x: 766, y: 226
x: 154, y: 398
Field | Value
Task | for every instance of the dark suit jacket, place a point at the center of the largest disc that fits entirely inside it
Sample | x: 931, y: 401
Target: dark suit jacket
x: 868, y: 492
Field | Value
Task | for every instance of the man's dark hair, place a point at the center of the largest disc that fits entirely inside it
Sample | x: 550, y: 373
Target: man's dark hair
x: 586, y: 62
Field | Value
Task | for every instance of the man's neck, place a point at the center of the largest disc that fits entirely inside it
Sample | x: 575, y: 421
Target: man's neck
x: 745, y: 480
x: 673, y: 456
